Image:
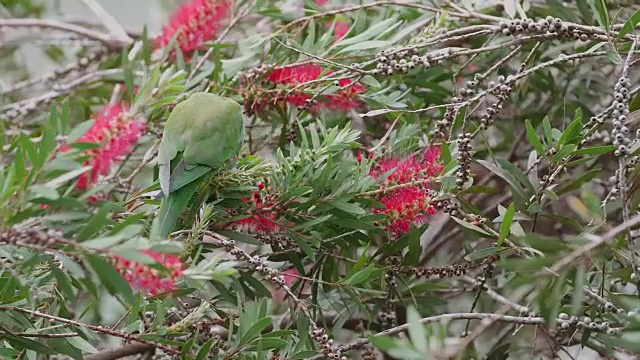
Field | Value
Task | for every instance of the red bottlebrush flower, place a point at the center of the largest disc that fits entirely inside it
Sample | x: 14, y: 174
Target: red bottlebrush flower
x: 321, y: 2
x: 340, y: 30
x: 198, y: 21
x: 115, y: 133
x: 142, y: 277
x: 344, y: 99
x: 263, y: 217
x: 404, y: 207
x: 410, y: 204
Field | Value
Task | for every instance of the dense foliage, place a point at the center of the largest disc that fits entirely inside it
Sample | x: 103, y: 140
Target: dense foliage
x: 422, y: 180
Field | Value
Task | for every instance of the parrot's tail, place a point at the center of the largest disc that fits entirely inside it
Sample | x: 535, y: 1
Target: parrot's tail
x: 170, y: 210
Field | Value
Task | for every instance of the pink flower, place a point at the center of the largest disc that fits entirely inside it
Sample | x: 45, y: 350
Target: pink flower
x: 405, y: 206
x: 340, y: 30
x: 198, y: 21
x: 344, y: 99
x: 411, y: 204
x: 145, y: 278
x: 115, y: 133
x: 263, y: 217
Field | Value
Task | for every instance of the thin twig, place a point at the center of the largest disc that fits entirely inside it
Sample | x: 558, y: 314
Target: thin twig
x: 108, y: 40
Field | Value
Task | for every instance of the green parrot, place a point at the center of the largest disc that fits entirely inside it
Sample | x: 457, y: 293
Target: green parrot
x: 201, y: 135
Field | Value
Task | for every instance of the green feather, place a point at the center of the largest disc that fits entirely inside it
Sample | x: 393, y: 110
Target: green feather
x: 201, y: 134
x: 170, y: 210
x: 172, y: 206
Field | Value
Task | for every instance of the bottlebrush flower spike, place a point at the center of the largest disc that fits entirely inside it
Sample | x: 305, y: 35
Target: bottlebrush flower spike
x: 198, y: 21
x: 263, y: 217
x: 142, y: 277
x: 340, y: 30
x: 116, y: 133
x: 344, y: 99
x: 409, y: 204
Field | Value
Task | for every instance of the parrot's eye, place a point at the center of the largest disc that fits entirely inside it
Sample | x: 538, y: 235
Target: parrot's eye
x: 234, y: 212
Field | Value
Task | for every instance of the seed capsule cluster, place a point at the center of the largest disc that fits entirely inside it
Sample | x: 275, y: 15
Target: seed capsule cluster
x: 256, y: 263
x: 620, y: 104
x: 501, y: 90
x: 326, y: 344
x: 30, y: 236
x: 278, y: 240
x: 568, y: 324
x: 464, y: 160
x: 368, y: 352
x: 548, y: 25
x: 391, y: 62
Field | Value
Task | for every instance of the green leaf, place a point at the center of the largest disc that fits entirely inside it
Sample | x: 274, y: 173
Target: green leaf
x: 578, y: 288
x: 614, y: 57
x: 360, y: 277
x: 383, y: 343
x: 481, y: 254
x: 359, y: 264
x: 629, y: 25
x: 634, y: 105
x: 109, y: 277
x: 55, y: 183
x: 416, y: 330
x: 95, y: 224
x: 311, y: 223
x: 577, y: 183
x: 239, y: 236
x: 471, y: 226
x: 505, y: 226
x: 517, y: 189
x: 255, y: 330
x: 365, y: 45
x: 573, y: 130
x: 347, y: 207
x: 412, y: 258
x: 533, y: 138
x: 370, y: 81
x: 516, y: 173
x: 548, y: 133
x: 294, y: 193
x: 446, y: 153
x: 599, y: 7
x: 204, y: 350
x: 78, y: 131
x: 304, y: 354
x: 595, y: 150
x: 559, y: 8
x: 267, y: 343
x: 44, y: 191
x: 82, y: 344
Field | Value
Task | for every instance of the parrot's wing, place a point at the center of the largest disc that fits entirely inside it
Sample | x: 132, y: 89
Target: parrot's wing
x: 164, y: 175
x: 216, y: 130
x: 172, y: 207
x: 182, y: 176
x: 170, y: 211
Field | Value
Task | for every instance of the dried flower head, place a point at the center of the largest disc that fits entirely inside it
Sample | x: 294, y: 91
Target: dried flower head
x: 142, y: 277
x: 197, y: 21
x: 407, y: 201
x: 115, y: 132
